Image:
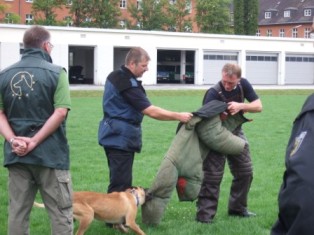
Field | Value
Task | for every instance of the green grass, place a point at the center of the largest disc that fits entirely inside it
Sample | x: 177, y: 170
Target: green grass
x: 268, y: 135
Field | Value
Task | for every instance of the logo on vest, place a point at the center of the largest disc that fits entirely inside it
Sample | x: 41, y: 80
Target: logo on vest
x: 22, y: 83
x: 297, y: 142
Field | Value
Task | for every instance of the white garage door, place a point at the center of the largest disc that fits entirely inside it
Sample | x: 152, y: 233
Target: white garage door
x: 213, y: 63
x: 299, y: 69
x: 262, y: 68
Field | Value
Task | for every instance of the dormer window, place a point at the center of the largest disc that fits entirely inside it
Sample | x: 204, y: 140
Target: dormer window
x: 286, y: 14
x: 307, y: 12
x: 267, y: 15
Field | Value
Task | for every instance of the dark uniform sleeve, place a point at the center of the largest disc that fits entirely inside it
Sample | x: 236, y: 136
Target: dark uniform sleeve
x: 136, y: 98
x: 249, y: 93
x: 211, y: 94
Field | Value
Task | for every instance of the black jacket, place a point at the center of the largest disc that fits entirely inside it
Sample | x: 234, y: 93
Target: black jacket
x: 296, y: 196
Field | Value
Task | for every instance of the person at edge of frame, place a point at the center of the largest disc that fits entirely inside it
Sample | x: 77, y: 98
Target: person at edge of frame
x: 295, y: 197
x: 34, y: 104
x: 234, y: 90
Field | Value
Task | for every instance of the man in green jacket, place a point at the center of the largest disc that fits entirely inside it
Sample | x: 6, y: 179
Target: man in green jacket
x: 34, y: 104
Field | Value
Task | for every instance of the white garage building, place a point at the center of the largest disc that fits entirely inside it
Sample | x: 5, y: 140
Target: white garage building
x: 94, y: 53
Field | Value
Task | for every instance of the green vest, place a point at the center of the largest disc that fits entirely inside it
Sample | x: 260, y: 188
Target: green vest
x: 27, y: 89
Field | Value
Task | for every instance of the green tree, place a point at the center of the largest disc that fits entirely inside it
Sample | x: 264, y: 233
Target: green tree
x: 95, y: 13
x: 178, y: 16
x: 44, y: 11
x: 149, y: 15
x: 11, y: 18
x: 245, y: 17
x: 213, y: 16
x: 106, y: 13
x: 238, y: 12
x: 251, y: 16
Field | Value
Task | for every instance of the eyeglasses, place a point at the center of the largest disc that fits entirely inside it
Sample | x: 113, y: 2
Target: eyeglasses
x: 50, y: 45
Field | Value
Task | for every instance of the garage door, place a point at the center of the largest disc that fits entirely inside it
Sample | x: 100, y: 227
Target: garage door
x: 299, y: 69
x: 213, y: 63
x: 262, y: 68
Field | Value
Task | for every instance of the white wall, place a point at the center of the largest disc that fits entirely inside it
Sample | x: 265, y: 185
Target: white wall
x: 105, y: 41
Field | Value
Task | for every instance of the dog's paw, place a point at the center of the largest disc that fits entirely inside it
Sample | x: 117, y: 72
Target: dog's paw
x: 121, y: 228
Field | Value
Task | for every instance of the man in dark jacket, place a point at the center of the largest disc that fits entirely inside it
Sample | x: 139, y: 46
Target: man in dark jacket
x: 296, y: 204
x: 124, y: 105
x: 233, y: 90
x: 34, y: 103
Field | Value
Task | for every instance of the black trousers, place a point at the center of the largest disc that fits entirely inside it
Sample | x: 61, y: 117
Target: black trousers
x: 120, y: 165
x: 213, y: 167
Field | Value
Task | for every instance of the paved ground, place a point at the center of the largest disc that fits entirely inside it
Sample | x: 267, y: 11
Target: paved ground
x: 189, y: 87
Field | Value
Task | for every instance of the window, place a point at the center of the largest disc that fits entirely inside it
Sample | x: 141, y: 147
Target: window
x: 269, y: 33
x: 123, y: 4
x: 8, y: 18
x: 138, y: 4
x: 267, y: 15
x: 68, y: 20
x: 31, y: 1
x: 258, y: 33
x: 281, y: 33
x: 28, y: 18
x: 307, y: 12
x: 286, y: 14
x: 307, y: 32
x: 294, y: 32
x: 188, y: 6
x: 122, y: 24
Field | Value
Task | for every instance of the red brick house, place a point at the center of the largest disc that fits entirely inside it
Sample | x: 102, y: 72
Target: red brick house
x: 285, y: 18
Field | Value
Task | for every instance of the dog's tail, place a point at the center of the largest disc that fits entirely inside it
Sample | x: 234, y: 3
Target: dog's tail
x: 40, y: 205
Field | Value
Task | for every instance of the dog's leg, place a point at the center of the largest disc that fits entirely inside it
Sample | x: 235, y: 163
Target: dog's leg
x: 130, y: 222
x: 84, y: 221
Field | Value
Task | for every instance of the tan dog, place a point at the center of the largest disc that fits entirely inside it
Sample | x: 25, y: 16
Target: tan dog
x: 118, y: 208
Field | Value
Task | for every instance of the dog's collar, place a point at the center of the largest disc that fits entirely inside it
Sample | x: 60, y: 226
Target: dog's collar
x: 137, y: 200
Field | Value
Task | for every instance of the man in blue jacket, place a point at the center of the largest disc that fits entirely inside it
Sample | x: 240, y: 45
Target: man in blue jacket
x: 124, y: 105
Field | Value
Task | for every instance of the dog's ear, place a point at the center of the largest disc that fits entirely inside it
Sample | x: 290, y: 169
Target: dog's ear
x: 148, y: 196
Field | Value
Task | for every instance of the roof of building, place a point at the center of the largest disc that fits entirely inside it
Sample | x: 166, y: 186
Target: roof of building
x: 278, y: 7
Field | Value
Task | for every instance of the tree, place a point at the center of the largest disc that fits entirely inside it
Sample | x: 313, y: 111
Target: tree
x: 149, y: 15
x: 44, y: 11
x: 106, y: 13
x: 213, y: 16
x: 95, y: 13
x: 178, y: 12
x: 251, y: 16
x: 11, y: 18
x: 245, y: 17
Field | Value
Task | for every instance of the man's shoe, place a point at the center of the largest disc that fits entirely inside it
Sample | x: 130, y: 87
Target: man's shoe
x: 241, y: 213
x: 204, y: 221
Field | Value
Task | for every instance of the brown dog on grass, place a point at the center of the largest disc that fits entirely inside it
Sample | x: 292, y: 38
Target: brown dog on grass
x: 117, y: 208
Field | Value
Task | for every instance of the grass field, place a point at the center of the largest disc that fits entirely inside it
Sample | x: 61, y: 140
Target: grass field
x: 268, y: 135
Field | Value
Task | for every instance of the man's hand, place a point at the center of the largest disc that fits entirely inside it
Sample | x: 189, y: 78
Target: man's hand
x: 185, y: 117
x: 19, y: 147
x: 234, y: 107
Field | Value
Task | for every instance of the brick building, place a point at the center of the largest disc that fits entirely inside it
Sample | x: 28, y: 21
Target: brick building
x: 285, y: 18
x: 281, y: 18
x: 23, y: 8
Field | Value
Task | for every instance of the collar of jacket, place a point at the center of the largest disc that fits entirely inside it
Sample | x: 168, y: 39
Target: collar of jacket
x: 37, y: 52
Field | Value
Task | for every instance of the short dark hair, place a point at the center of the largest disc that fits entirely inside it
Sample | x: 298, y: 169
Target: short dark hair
x: 35, y: 36
x: 136, y: 55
